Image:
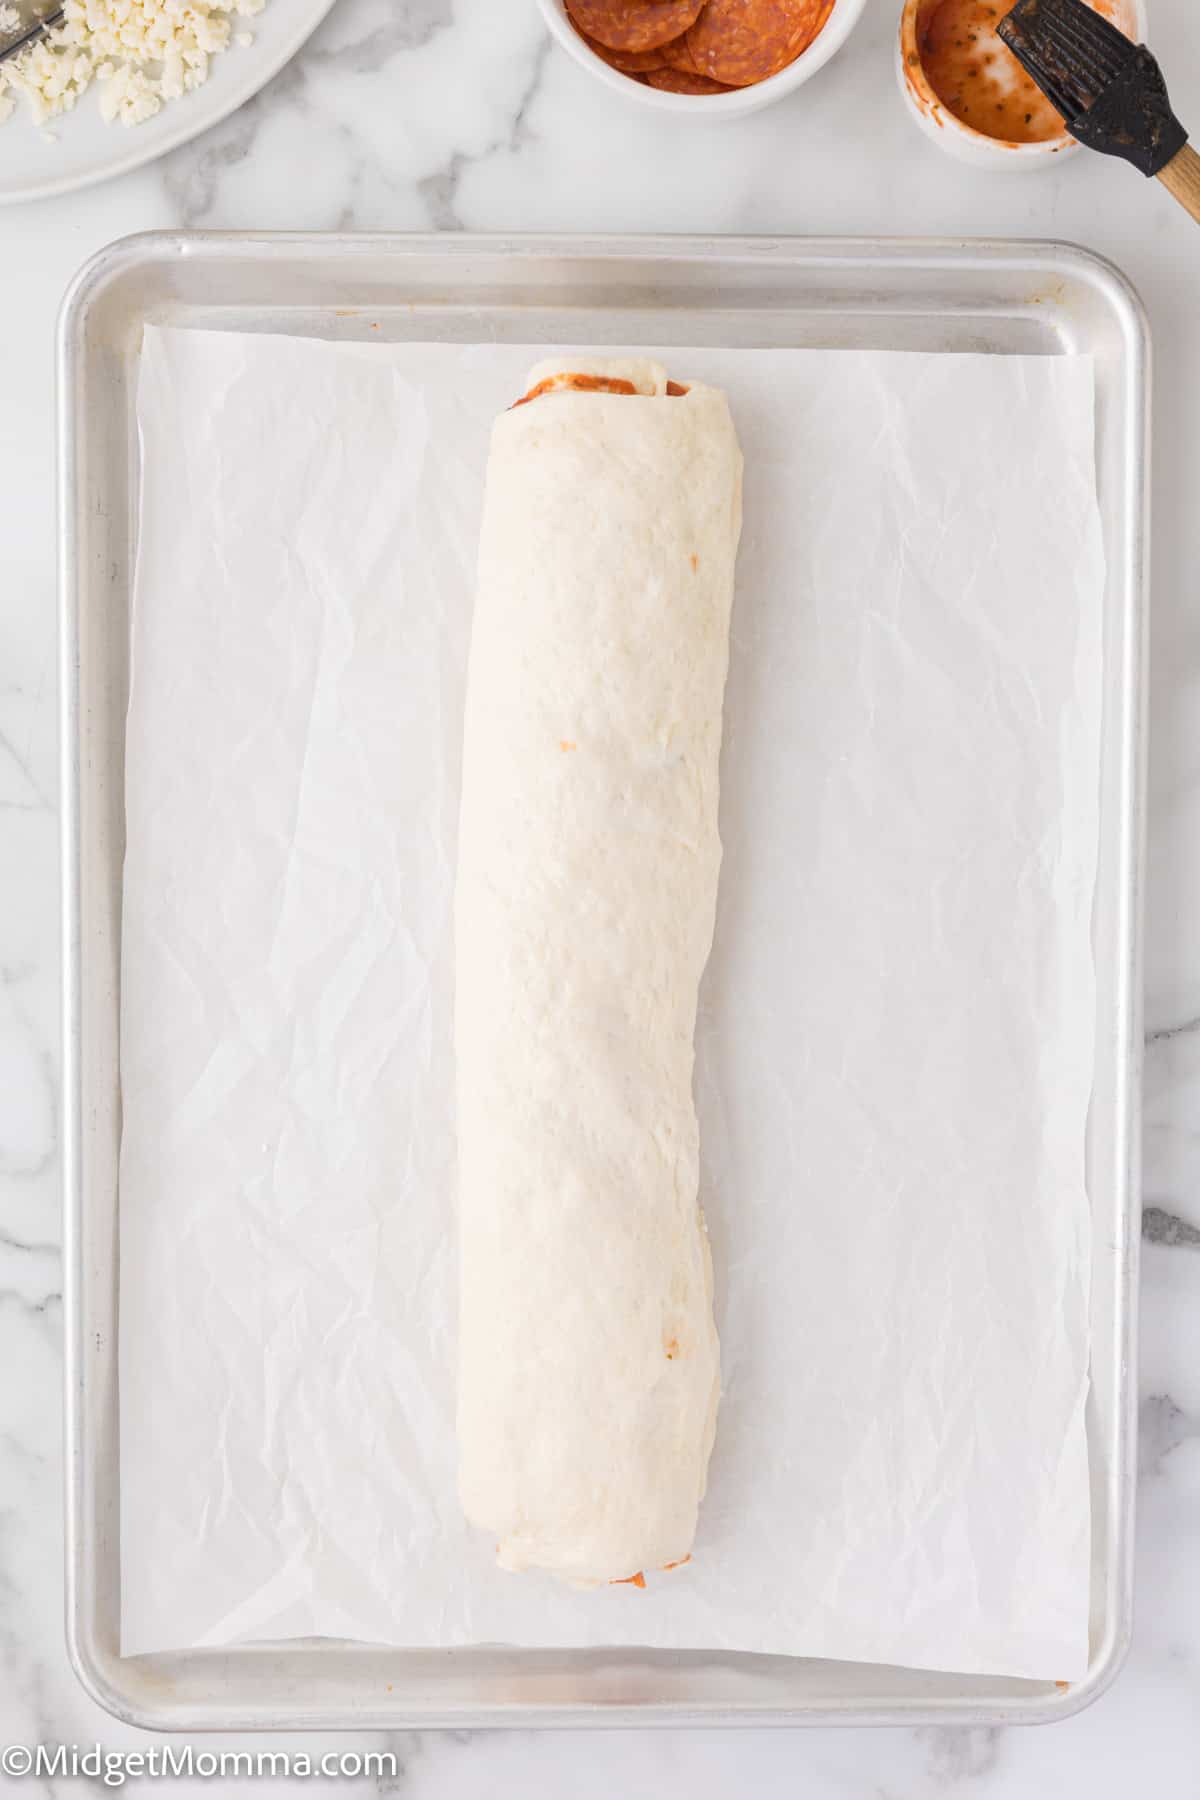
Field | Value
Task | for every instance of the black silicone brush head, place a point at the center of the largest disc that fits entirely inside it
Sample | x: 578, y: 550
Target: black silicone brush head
x: 1109, y: 90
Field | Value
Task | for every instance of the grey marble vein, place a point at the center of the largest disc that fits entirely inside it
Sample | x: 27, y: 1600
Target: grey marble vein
x: 27, y: 796
x: 1166, y: 1033
x: 192, y: 175
x: 1162, y: 1227
x: 409, y: 27
x: 439, y: 190
x: 48, y: 1307
x: 1162, y: 1427
x: 32, y: 1159
x: 26, y: 1246
x: 954, y: 1756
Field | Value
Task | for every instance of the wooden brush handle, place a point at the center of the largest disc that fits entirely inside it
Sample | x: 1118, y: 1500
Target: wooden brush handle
x: 1182, y: 177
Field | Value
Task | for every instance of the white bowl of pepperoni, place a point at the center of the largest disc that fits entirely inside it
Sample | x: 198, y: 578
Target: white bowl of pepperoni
x: 707, y: 57
x: 970, y: 95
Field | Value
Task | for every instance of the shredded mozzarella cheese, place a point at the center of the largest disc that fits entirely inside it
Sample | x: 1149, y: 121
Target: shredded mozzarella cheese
x: 140, y: 54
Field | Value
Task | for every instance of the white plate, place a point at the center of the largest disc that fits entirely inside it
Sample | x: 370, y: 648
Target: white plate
x: 85, y: 149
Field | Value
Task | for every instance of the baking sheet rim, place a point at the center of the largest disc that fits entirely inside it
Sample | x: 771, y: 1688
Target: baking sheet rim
x: 87, y: 1387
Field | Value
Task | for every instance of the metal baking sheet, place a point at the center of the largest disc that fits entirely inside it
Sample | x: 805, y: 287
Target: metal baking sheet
x: 1003, y: 298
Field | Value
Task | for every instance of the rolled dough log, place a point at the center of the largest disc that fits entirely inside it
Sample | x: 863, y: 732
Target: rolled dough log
x: 587, y: 879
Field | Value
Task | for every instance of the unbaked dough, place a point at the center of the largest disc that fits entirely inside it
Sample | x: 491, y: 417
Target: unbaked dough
x: 587, y: 879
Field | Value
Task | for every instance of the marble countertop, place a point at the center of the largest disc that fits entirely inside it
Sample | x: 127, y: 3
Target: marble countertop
x: 458, y: 114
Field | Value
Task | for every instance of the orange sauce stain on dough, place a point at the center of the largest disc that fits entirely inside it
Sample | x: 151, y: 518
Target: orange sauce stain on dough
x: 576, y: 384
x: 979, y: 80
x: 638, y: 1580
x: 565, y: 382
x: 567, y: 744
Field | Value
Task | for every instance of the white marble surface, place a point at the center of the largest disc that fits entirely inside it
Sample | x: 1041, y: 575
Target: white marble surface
x: 455, y: 114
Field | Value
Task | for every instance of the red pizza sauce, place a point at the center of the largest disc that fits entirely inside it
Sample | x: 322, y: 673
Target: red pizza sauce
x: 586, y: 384
x: 579, y: 384
x: 978, y: 79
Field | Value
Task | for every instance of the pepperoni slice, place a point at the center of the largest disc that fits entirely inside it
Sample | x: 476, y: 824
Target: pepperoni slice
x: 633, y: 24
x: 684, y: 81
x: 678, y: 55
x: 630, y: 62
x: 739, y: 42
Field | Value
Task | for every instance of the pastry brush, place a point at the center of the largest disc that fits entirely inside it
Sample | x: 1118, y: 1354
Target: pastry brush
x: 1109, y: 90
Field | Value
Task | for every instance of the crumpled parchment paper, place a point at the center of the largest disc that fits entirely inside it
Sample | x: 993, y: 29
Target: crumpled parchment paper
x: 894, y: 1051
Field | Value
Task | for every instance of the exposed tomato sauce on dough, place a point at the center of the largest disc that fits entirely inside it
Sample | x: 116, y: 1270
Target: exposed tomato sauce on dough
x: 586, y: 384
x: 978, y: 79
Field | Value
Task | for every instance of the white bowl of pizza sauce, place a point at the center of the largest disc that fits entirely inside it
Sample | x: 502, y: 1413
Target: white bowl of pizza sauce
x: 968, y: 93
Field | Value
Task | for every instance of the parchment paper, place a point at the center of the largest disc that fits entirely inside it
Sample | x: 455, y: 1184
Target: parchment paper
x: 894, y: 1053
